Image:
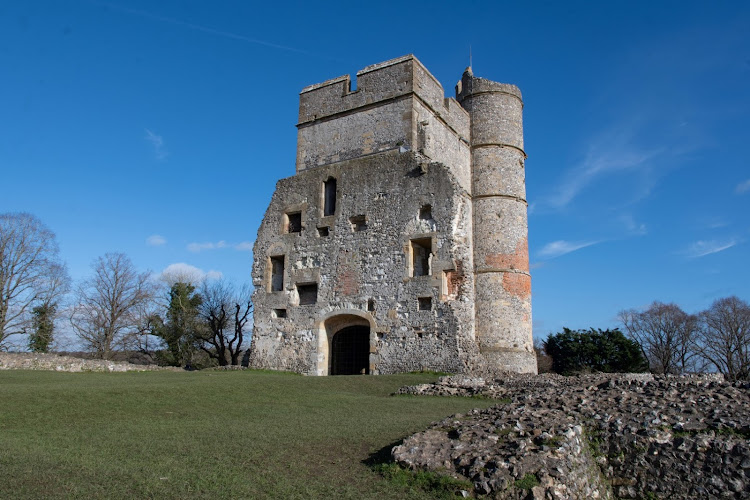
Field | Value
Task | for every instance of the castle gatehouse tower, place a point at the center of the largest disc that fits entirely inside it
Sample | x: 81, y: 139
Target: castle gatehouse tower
x: 400, y: 242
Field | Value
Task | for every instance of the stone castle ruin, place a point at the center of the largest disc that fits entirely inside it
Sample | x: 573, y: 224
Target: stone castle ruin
x: 400, y: 243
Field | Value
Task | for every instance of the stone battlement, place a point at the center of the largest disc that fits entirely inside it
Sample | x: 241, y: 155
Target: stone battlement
x: 392, y: 101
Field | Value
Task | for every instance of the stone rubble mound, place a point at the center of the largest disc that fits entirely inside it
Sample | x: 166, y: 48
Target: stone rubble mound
x: 591, y: 436
x: 54, y: 362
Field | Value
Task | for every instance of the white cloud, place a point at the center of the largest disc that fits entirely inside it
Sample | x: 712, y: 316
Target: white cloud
x: 742, y: 187
x: 156, y: 240
x: 158, y: 143
x: 702, y: 248
x: 561, y: 247
x: 612, y: 154
x: 187, y: 274
x: 214, y: 275
x: 634, y: 228
x: 199, y: 247
x: 242, y: 246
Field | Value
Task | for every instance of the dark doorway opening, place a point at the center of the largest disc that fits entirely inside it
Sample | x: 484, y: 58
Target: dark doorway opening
x: 351, y: 351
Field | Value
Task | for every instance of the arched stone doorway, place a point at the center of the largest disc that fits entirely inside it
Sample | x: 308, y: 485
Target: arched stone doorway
x: 346, y: 340
x: 350, y: 351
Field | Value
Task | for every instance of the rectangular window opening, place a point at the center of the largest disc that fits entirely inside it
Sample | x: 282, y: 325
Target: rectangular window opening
x: 279, y: 313
x: 425, y: 213
x: 421, y: 251
x: 277, y: 273
x: 294, y: 222
x: 371, y: 305
x: 425, y: 303
x: 329, y: 197
x: 358, y: 222
x: 323, y: 232
x: 308, y: 293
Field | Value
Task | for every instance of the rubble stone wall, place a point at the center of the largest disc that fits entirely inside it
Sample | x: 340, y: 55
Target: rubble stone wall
x: 593, y: 436
x: 54, y: 362
x: 366, y: 274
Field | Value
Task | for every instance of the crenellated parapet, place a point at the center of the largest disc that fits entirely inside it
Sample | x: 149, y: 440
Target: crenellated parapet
x: 397, y: 104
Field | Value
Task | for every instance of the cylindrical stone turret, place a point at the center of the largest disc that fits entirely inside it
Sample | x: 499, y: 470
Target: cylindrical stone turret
x: 501, y: 254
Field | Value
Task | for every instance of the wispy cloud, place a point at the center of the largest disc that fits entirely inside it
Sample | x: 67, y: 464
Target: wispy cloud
x: 243, y: 246
x: 156, y: 240
x: 742, y: 187
x: 633, y: 228
x: 158, y: 143
x: 608, y: 154
x: 702, y: 248
x: 712, y: 222
x: 185, y: 273
x: 199, y: 247
x: 206, y: 29
x: 561, y: 247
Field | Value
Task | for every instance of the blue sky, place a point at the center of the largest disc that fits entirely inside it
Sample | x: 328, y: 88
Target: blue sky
x: 159, y: 129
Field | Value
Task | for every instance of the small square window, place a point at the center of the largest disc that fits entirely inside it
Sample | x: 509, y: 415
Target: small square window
x: 425, y: 213
x: 279, y: 313
x: 294, y: 222
x: 323, y: 231
x: 308, y: 293
x: 425, y: 303
x: 358, y: 222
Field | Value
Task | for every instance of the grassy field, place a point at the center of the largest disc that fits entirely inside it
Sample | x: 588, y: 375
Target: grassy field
x: 206, y: 434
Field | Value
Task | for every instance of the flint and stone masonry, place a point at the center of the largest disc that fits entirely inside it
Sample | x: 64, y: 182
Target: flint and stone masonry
x: 400, y: 244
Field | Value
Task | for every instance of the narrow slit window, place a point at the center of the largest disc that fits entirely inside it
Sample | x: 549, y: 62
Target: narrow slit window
x: 371, y: 305
x: 277, y: 273
x: 294, y: 222
x: 308, y: 293
x: 329, y: 197
x: 421, y: 251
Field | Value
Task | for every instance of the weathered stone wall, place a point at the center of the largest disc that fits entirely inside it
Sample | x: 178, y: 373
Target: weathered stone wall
x: 621, y: 435
x: 398, y: 104
x: 396, y: 145
x: 501, y: 255
x: 370, y: 268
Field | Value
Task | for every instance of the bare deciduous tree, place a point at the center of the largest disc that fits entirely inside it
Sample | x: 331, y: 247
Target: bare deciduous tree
x: 725, y: 337
x: 112, y: 307
x: 30, y: 271
x: 666, y: 334
x: 225, y: 313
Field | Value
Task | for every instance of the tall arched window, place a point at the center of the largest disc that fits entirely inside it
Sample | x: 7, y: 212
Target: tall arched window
x: 329, y: 197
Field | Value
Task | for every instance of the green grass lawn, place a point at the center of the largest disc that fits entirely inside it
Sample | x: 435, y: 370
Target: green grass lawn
x: 240, y: 434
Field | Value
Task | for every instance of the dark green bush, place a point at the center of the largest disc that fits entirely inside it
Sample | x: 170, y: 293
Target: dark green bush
x: 575, y: 351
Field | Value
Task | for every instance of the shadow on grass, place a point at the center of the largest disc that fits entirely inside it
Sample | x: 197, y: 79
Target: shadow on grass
x: 382, y: 456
